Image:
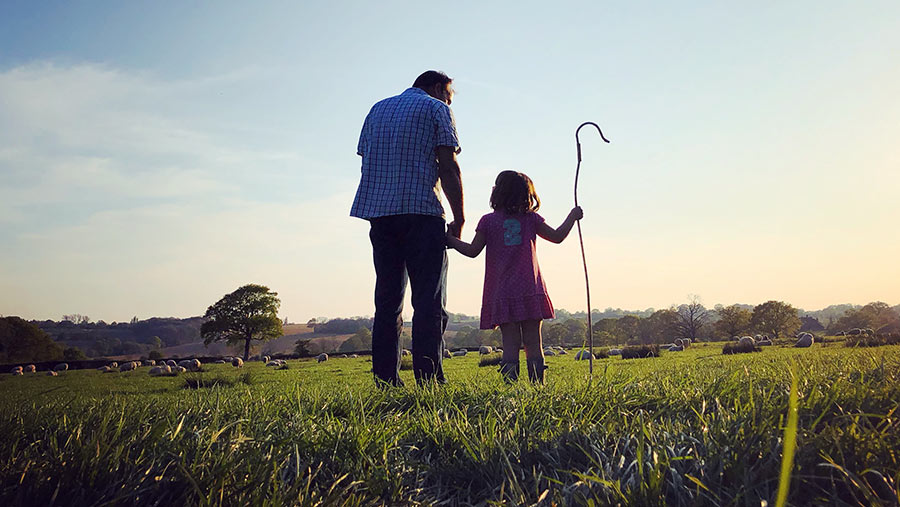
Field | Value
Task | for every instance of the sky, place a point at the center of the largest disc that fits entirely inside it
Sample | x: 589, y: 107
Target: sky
x: 155, y: 156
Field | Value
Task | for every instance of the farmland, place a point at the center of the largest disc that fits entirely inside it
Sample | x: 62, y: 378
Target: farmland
x: 689, y: 428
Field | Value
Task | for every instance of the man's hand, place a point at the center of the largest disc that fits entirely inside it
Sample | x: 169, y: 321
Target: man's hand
x: 454, y: 228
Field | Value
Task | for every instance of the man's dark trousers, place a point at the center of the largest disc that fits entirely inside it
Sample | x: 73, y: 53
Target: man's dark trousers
x: 409, y: 247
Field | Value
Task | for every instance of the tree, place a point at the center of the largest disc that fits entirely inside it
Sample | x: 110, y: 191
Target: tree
x: 73, y: 354
x: 660, y: 327
x: 775, y: 317
x: 22, y: 341
x: 247, y: 314
x: 627, y: 327
x: 302, y: 347
x: 155, y: 355
x: 692, y: 317
x: 733, y: 321
x: 361, y: 340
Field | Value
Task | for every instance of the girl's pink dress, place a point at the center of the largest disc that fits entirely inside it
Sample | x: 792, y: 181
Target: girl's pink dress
x: 513, y: 287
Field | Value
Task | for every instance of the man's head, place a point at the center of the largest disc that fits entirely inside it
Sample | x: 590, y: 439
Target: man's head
x: 437, y: 84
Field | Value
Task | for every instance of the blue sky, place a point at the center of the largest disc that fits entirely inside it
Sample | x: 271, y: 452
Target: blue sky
x: 157, y: 155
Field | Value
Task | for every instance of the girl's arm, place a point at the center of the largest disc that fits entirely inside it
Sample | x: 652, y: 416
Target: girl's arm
x: 468, y: 249
x: 559, y: 234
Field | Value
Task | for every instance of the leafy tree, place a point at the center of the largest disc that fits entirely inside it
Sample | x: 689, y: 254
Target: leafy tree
x: 73, y: 354
x: 627, y: 327
x: 302, y: 348
x: 810, y: 324
x: 775, y: 317
x: 22, y: 341
x: 248, y: 314
x: 155, y: 355
x: 733, y: 321
x: 361, y: 340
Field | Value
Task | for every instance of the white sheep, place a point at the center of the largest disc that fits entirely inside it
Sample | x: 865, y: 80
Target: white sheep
x: 171, y: 363
x: 322, y: 357
x: 237, y: 362
x: 353, y: 356
x: 162, y: 369
x: 129, y: 366
x: 549, y: 352
x: 485, y: 349
x: 805, y: 340
x: 179, y: 369
x: 52, y: 373
x: 460, y: 352
x: 748, y: 341
x: 266, y: 359
x: 113, y: 364
x: 582, y: 355
x: 673, y: 348
x: 30, y: 368
x: 149, y: 362
x: 276, y: 363
x: 616, y: 352
x: 194, y: 365
x: 764, y: 342
x: 405, y: 352
x: 561, y: 351
x: 447, y: 354
x: 61, y: 367
x: 17, y: 370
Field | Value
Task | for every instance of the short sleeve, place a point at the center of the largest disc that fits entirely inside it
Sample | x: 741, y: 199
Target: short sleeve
x: 537, y: 218
x: 445, y: 124
x: 363, y: 144
x: 482, y: 224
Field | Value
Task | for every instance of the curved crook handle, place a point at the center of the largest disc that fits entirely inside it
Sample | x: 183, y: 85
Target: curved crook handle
x: 578, y: 143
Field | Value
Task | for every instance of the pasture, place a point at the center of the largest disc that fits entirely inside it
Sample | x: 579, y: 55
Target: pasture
x: 688, y: 428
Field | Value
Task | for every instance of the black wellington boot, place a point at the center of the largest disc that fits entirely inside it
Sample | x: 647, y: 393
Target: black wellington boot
x: 509, y: 371
x: 536, y: 369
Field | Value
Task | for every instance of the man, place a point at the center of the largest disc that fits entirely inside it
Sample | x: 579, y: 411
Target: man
x: 408, y: 147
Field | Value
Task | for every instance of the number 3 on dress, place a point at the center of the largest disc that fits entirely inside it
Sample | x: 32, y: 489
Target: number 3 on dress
x: 512, y: 234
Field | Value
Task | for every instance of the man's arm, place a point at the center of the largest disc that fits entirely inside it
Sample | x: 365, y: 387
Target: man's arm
x: 451, y: 183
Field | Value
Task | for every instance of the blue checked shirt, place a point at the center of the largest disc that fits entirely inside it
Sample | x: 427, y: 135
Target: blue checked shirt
x: 399, y: 162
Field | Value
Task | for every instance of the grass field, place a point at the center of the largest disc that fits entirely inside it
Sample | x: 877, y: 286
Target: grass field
x: 688, y: 428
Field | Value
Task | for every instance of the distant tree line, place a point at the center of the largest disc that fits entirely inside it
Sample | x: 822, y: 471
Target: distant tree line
x: 98, y: 339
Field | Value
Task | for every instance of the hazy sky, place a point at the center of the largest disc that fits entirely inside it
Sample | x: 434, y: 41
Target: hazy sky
x: 157, y: 155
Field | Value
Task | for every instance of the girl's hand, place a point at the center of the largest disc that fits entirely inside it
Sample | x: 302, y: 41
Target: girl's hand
x: 577, y: 213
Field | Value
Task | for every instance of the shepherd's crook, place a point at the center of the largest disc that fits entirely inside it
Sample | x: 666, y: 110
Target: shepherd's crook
x: 587, y: 285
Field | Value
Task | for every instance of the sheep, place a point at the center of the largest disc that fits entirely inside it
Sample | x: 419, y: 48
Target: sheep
x: 162, y: 369
x: 220, y: 361
x: 805, y: 340
x: 52, y: 373
x: 405, y: 352
x: 616, y: 352
x: 179, y: 369
x: 749, y: 340
x: 685, y: 342
x: 194, y: 365
x: 342, y: 356
x: 322, y: 357
x: 854, y: 332
x: 673, y: 348
x: 353, y: 356
x: 30, y: 368
x: 678, y: 342
x: 485, y: 349
x: 276, y: 362
x: 113, y: 364
x: 171, y: 363
x: 61, y: 367
x: 131, y: 365
x: 549, y: 352
x: 266, y: 359
x: 110, y: 370
x: 17, y: 370
x: 149, y: 362
x: 561, y: 351
x: 765, y: 341
x: 582, y: 355
x: 460, y: 353
x: 447, y: 354
x: 237, y: 362
x: 103, y: 369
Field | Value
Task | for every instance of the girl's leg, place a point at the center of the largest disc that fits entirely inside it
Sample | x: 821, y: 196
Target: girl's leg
x: 534, y: 349
x: 512, y: 341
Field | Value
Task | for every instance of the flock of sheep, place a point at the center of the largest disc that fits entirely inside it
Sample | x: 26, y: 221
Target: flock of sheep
x: 169, y: 367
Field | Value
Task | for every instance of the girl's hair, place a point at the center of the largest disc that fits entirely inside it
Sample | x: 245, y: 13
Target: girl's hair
x: 514, y: 193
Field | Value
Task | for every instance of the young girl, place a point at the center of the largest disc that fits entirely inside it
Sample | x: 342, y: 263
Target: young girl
x: 515, y: 296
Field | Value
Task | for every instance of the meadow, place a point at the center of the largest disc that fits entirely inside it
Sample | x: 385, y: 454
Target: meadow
x: 688, y: 428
